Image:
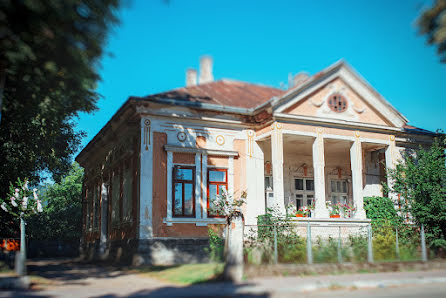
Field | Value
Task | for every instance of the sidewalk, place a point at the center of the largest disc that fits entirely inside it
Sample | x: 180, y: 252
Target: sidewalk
x: 73, y: 279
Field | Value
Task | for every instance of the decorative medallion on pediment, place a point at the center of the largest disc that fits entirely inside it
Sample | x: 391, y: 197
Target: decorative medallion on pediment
x: 220, y: 140
x: 181, y: 136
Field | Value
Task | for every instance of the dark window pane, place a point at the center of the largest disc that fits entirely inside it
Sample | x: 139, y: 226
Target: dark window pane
x: 178, y: 202
x: 344, y: 187
x: 183, y: 174
x: 299, y: 184
x: 188, y: 199
x: 298, y: 204
x: 310, y: 184
x: 269, y: 182
x: 338, y: 186
x: 217, y: 176
x: 212, y: 198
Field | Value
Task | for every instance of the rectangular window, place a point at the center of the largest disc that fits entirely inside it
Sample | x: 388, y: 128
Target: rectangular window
x: 303, y: 192
x: 116, y: 193
x: 183, y: 204
x: 217, y: 185
x: 339, y: 191
x: 96, y: 207
x: 127, y: 186
x: 88, y: 209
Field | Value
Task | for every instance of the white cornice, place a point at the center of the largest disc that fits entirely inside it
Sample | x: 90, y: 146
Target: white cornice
x: 337, y: 122
x: 212, y: 152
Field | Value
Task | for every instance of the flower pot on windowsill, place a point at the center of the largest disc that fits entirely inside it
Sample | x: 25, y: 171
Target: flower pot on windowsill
x: 335, y: 216
x: 300, y: 215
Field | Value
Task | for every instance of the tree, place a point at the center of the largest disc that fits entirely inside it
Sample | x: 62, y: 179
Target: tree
x: 420, y: 178
x: 433, y: 24
x: 49, y: 60
x: 61, y: 218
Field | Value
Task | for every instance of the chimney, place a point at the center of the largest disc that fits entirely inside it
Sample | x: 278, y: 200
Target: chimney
x: 300, y: 78
x: 191, y: 77
x: 205, y: 70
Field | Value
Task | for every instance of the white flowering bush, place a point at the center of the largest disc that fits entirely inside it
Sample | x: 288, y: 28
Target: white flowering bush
x: 21, y: 200
x: 227, y: 205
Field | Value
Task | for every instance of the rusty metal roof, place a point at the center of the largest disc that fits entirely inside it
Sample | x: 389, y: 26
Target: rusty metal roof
x: 223, y: 92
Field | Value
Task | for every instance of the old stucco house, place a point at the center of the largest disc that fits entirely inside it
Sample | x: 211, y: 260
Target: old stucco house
x: 153, y: 171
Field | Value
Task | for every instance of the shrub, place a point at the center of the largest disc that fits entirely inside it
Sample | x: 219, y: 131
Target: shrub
x: 216, y: 246
x: 381, y: 210
x: 358, y: 246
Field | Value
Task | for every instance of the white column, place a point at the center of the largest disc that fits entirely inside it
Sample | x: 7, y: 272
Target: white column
x: 169, y: 186
x: 204, y: 191
x: 320, y: 208
x: 357, y: 184
x: 197, y: 185
x: 277, y: 163
x: 390, y: 164
x: 145, y: 182
x: 104, y: 216
x: 231, y: 176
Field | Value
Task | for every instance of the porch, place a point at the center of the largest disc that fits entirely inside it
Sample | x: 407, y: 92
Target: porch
x: 329, y: 172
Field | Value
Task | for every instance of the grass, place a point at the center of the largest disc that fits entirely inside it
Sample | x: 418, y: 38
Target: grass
x: 184, y: 274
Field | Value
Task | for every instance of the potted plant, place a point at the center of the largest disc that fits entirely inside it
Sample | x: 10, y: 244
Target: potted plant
x: 291, y: 210
x: 335, y: 211
x: 302, y: 212
x: 348, y: 210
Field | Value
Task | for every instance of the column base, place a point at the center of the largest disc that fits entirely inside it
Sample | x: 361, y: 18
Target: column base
x: 321, y: 212
x: 360, y: 214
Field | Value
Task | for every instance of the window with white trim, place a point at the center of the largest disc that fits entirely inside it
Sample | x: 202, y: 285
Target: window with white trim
x: 217, y: 184
x: 303, y: 192
x: 183, y: 192
x: 339, y: 191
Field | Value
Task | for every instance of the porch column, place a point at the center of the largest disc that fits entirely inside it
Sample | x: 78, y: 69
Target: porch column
x: 320, y: 209
x: 277, y: 163
x: 390, y: 164
x: 357, y: 184
x: 104, y: 217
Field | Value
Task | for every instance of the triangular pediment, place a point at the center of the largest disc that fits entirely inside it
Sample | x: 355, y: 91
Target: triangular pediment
x: 339, y: 93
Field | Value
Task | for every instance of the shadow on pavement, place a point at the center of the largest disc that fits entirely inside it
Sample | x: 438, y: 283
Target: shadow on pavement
x: 217, y: 289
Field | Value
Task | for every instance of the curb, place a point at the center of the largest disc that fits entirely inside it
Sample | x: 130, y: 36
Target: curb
x: 15, y: 283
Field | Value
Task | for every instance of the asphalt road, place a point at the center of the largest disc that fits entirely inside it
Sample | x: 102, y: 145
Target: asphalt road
x: 72, y: 279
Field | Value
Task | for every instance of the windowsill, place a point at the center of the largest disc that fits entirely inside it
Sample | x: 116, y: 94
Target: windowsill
x: 199, y: 222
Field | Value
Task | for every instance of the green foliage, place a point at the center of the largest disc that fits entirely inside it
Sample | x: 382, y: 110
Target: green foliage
x: 432, y: 23
x: 216, y: 246
x: 20, y: 200
x: 358, y: 245
x: 381, y: 210
x: 49, y: 62
x: 62, y: 215
x: 420, y: 178
x: 384, y: 242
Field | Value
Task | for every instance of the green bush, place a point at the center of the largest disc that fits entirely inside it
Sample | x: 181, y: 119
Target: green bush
x: 291, y: 248
x: 216, y: 246
x: 358, y: 245
x: 381, y: 210
x: 384, y: 240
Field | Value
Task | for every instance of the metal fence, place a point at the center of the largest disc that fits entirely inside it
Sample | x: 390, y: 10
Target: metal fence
x: 294, y: 242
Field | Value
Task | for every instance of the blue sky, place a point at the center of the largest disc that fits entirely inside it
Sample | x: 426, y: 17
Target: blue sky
x: 262, y: 41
